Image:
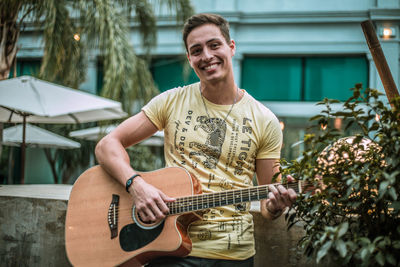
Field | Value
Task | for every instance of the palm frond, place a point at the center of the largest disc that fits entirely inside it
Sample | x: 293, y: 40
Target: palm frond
x: 182, y: 8
x: 144, y: 16
x: 126, y: 77
x: 63, y: 59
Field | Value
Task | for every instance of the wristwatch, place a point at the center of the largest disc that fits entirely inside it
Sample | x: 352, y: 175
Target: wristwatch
x: 130, y: 181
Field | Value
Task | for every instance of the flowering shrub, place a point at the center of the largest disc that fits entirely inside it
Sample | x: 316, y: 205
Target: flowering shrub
x: 351, y: 208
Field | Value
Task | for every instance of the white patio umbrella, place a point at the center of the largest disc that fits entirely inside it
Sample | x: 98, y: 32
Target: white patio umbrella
x: 42, y: 102
x: 36, y: 137
x: 27, y: 99
x: 96, y: 133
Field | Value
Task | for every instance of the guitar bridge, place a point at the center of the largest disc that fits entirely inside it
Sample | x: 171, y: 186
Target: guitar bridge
x: 113, y: 216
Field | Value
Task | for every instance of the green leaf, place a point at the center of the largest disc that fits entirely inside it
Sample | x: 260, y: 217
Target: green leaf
x: 317, y: 117
x: 391, y: 259
x: 341, y: 247
x: 343, y: 229
x: 383, y: 187
x: 392, y: 193
x: 396, y: 244
x: 364, y: 254
x: 380, y: 259
x: 323, y: 251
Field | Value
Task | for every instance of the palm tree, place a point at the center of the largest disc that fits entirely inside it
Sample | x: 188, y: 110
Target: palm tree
x: 71, y: 28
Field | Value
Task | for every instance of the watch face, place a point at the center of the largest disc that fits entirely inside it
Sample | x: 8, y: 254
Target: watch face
x: 128, y: 183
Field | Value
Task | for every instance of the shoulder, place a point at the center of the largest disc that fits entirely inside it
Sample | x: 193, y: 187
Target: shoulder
x: 259, y: 110
x: 181, y: 91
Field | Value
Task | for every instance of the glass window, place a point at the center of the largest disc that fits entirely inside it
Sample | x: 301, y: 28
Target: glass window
x: 29, y: 66
x: 333, y: 77
x: 272, y: 79
x: 303, y: 78
x: 172, y: 72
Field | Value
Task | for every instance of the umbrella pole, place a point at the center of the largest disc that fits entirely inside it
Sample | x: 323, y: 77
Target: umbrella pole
x: 23, y: 146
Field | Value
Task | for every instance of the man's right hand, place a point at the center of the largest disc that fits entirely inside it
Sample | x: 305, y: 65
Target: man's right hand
x: 149, y: 201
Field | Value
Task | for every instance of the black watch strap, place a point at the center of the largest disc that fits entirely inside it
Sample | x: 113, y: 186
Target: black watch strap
x: 130, y: 181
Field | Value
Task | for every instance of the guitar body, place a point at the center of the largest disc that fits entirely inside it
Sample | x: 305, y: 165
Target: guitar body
x: 100, y: 226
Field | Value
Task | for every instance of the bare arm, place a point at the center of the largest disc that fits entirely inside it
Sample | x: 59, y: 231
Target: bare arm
x: 112, y: 156
x: 279, y: 197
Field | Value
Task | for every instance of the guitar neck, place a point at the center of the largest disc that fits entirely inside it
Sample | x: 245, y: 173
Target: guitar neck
x: 224, y: 198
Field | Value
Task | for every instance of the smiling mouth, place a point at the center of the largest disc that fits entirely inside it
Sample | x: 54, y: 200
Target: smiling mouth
x: 209, y: 67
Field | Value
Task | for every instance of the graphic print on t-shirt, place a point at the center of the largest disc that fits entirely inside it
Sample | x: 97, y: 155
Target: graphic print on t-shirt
x: 210, y: 151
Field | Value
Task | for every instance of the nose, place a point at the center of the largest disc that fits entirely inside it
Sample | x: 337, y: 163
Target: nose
x: 207, y: 55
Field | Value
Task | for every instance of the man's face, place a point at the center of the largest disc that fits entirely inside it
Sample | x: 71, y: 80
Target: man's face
x: 209, y: 54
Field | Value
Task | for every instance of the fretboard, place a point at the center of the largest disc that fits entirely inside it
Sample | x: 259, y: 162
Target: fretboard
x: 224, y: 198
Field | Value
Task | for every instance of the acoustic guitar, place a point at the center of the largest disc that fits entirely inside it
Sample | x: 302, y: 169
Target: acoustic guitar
x: 102, y: 227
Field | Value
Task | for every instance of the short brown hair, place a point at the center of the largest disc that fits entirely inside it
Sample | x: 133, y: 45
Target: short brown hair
x: 206, y: 18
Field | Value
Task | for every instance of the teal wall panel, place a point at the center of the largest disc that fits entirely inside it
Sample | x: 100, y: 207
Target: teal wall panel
x: 303, y: 78
x: 172, y: 72
x: 273, y: 79
x: 333, y: 77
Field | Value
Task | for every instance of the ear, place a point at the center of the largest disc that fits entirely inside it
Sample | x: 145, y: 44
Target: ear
x: 232, y: 45
x: 188, y: 58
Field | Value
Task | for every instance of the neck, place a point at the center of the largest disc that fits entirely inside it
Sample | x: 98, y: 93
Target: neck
x: 220, y: 93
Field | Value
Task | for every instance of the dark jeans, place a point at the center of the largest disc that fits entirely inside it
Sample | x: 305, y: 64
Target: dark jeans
x: 198, y: 262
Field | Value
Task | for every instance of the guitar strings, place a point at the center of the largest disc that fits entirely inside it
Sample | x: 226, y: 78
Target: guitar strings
x: 188, y: 203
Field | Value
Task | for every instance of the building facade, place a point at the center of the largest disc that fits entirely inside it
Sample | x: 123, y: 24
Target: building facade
x: 290, y: 54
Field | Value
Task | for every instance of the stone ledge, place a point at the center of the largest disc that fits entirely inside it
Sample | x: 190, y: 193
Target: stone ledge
x: 43, y: 191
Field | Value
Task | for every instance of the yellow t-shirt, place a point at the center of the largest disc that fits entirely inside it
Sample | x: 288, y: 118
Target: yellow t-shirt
x: 221, y: 154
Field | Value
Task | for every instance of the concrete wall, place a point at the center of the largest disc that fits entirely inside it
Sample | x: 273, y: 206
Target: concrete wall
x: 32, y: 225
x: 32, y: 230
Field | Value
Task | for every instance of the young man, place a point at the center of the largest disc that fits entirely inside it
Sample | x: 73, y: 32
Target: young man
x: 219, y: 133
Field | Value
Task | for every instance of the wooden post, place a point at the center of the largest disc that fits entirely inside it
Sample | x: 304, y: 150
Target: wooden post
x: 380, y: 60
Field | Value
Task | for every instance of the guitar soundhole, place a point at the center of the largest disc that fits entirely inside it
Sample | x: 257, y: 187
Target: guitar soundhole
x: 133, y: 237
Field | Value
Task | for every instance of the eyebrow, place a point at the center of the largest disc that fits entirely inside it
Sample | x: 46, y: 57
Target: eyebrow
x: 209, y: 41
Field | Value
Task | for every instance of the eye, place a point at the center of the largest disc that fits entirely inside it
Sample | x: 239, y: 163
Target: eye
x: 195, y: 51
x: 215, y: 45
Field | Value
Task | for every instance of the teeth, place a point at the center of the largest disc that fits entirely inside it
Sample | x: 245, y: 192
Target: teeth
x: 210, y: 66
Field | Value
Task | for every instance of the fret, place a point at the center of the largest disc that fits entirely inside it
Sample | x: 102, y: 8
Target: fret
x: 236, y: 197
x: 204, y: 202
x: 209, y: 202
x: 248, y: 194
x: 214, y: 204
x: 231, y: 197
x: 180, y: 208
x: 226, y: 198
x: 197, y: 202
x: 191, y: 208
x: 255, y: 195
x: 187, y: 205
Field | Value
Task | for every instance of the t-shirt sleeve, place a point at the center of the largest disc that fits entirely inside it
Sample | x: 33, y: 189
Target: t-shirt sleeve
x: 156, y: 110
x: 270, y: 147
